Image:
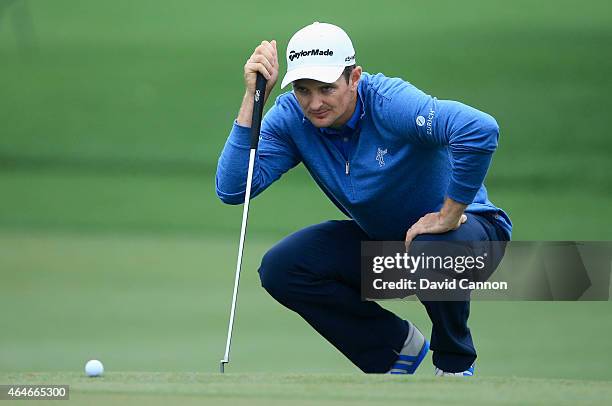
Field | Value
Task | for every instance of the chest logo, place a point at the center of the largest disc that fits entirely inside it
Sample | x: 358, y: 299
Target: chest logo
x: 380, y: 156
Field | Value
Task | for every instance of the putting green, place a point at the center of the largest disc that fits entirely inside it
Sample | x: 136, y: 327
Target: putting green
x: 321, y: 389
x: 161, y: 303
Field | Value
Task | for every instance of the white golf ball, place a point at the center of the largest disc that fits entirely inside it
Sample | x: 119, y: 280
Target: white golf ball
x: 94, y: 368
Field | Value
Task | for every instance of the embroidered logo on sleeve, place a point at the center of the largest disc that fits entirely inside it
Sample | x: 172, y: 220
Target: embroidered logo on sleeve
x: 430, y: 118
x: 421, y: 121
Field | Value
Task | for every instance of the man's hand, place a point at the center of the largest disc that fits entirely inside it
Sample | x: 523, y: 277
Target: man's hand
x: 449, y: 218
x: 264, y: 60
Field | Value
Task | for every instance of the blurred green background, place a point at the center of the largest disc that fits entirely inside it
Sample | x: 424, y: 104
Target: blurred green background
x: 112, y: 116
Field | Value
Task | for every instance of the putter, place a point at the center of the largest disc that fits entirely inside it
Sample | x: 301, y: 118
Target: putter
x: 260, y: 91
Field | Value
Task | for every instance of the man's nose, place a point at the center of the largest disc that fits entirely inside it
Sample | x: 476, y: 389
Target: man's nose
x: 316, y: 103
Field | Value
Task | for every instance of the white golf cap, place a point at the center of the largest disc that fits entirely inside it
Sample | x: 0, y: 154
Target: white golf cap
x: 318, y: 51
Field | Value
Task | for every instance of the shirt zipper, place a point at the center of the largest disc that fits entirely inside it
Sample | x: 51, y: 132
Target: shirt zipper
x: 347, y: 166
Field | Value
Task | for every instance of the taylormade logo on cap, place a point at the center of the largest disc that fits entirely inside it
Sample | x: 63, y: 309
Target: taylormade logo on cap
x: 315, y: 52
x: 319, y: 51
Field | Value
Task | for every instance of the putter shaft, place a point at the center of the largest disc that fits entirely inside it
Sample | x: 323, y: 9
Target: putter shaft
x: 245, y: 216
x: 258, y: 104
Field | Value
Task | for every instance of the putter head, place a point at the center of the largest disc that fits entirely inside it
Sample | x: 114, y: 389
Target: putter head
x: 222, y: 365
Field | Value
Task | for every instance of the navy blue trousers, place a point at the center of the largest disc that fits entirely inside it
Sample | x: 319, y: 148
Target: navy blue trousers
x: 316, y: 273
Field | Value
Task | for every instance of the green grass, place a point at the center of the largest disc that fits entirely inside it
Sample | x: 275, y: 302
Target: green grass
x: 301, y: 389
x: 113, y: 115
x: 115, y: 82
x: 160, y: 303
x: 113, y: 244
x: 186, y: 205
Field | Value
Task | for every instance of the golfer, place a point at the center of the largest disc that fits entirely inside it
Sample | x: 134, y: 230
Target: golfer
x: 400, y: 164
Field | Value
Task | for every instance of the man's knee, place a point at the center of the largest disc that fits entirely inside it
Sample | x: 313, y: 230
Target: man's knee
x: 274, y: 272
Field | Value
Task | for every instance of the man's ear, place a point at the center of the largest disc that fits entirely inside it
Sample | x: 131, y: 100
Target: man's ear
x: 355, y: 76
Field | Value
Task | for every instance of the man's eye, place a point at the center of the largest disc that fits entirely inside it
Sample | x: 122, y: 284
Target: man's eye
x: 327, y: 89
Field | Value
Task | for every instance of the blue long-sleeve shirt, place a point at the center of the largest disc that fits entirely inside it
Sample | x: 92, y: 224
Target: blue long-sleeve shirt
x: 405, y: 153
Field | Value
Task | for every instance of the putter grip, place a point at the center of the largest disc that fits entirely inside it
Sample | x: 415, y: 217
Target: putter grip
x: 260, y: 95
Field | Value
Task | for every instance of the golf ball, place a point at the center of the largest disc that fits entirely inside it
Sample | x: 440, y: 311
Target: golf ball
x: 94, y: 368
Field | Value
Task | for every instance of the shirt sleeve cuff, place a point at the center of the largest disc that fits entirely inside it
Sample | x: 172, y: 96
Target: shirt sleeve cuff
x: 460, y: 193
x: 240, y: 136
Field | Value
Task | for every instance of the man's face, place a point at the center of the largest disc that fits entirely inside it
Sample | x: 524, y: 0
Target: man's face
x: 327, y: 104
